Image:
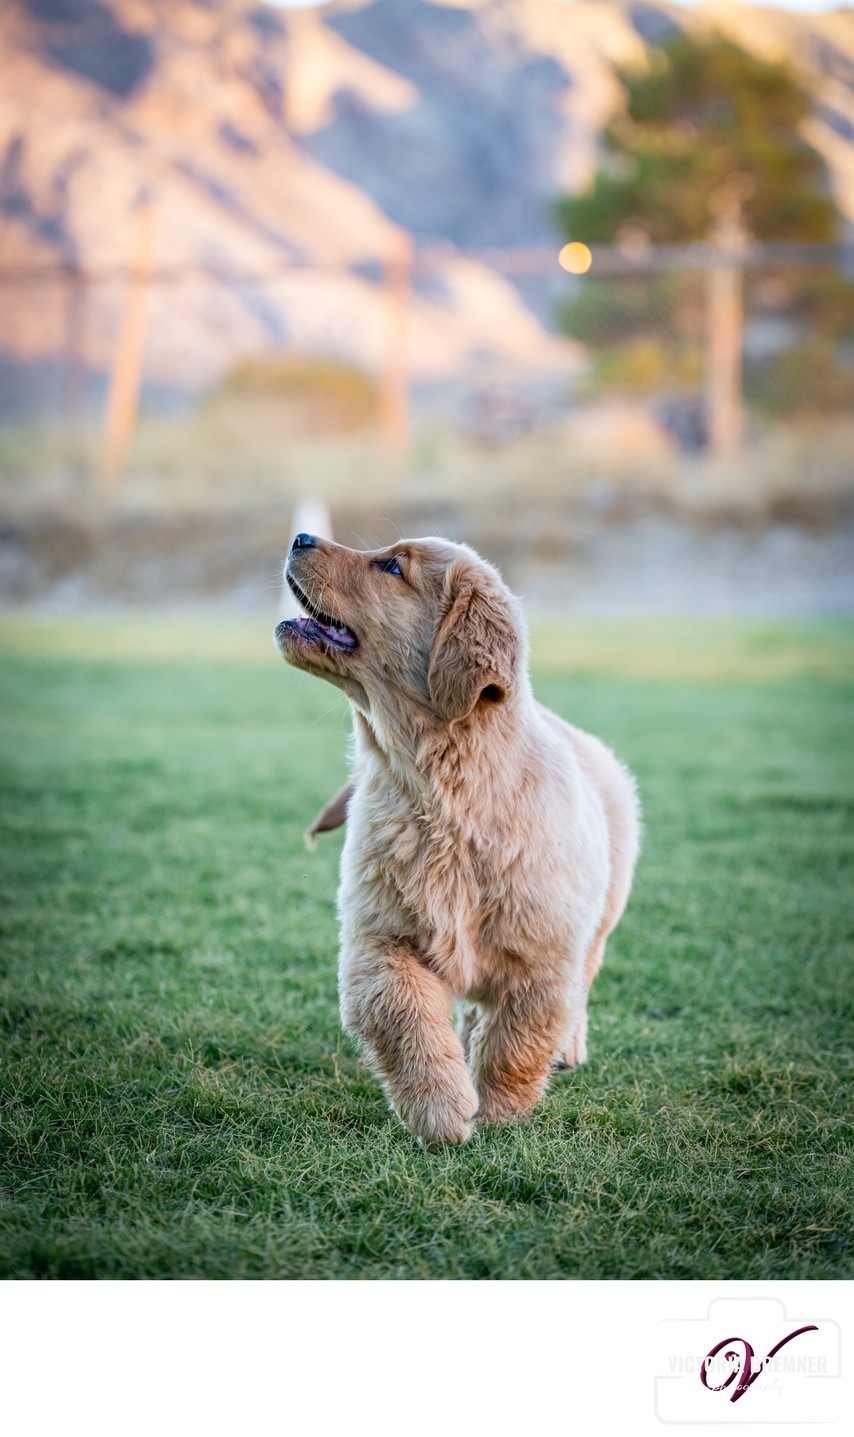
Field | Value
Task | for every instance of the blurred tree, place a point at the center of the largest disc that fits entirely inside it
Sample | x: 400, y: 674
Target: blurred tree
x: 705, y: 123
x: 709, y: 143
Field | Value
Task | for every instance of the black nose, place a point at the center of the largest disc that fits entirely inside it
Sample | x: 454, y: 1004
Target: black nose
x: 304, y: 541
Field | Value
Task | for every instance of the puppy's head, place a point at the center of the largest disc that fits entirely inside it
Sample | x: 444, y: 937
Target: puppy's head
x: 425, y: 625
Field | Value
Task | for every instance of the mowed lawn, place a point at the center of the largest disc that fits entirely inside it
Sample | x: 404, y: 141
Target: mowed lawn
x: 177, y: 1098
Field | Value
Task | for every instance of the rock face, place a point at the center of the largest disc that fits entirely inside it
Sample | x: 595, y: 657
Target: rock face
x: 474, y: 159
x: 282, y: 150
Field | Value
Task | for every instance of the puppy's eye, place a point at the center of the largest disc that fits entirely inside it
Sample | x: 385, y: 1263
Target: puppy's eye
x: 391, y: 566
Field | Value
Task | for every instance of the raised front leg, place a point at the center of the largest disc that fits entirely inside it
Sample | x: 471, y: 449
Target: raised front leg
x: 402, y: 1011
x: 511, y: 1052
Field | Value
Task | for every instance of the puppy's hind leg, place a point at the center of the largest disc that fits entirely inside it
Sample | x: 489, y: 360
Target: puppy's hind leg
x: 573, y: 1050
x: 466, y: 1024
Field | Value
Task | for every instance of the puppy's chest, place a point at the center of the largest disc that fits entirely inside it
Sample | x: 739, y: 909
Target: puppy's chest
x: 458, y: 895
x: 435, y: 870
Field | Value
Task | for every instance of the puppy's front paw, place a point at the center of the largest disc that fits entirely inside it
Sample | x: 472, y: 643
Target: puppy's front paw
x: 442, y: 1118
x: 499, y: 1106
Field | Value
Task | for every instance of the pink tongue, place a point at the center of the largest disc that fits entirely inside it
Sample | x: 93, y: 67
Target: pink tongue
x: 340, y: 637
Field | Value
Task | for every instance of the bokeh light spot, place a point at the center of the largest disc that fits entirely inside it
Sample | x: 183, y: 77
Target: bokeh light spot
x: 575, y: 258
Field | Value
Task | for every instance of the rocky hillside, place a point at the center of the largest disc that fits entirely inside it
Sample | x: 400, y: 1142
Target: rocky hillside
x: 286, y: 148
x: 511, y: 94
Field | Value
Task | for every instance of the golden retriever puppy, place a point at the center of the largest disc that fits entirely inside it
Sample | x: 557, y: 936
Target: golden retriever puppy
x: 490, y: 846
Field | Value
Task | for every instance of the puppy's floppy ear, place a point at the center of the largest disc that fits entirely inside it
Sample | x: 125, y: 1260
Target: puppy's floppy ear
x: 477, y: 645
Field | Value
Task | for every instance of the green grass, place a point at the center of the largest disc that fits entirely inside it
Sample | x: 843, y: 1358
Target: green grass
x: 177, y: 1099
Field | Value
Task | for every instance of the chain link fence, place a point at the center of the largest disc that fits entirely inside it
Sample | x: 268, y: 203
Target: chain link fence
x: 702, y: 350
x: 720, y: 346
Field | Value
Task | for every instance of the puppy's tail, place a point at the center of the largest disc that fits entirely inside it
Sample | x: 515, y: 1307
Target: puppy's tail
x: 332, y: 815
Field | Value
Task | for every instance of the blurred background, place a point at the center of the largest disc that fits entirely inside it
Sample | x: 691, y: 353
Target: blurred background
x: 573, y: 282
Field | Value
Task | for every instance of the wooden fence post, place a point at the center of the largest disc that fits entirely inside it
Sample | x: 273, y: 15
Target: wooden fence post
x: 123, y: 399
x: 725, y: 315
x: 74, y: 375
x: 394, y: 379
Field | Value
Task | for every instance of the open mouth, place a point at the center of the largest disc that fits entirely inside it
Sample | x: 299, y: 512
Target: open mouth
x: 319, y: 627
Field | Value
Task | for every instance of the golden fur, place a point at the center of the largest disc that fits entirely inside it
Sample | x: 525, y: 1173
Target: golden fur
x: 490, y: 845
